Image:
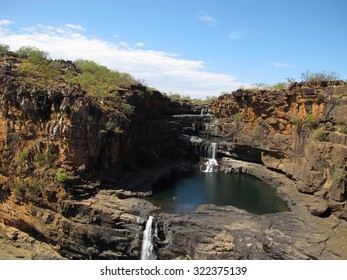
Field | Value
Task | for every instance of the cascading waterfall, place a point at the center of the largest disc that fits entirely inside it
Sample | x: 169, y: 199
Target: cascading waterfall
x: 147, y: 251
x: 211, y: 164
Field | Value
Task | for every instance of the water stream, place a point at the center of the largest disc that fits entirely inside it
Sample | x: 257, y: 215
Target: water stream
x: 147, y: 250
x: 211, y: 164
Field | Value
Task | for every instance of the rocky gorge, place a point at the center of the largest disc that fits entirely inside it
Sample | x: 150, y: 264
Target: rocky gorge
x: 75, y: 169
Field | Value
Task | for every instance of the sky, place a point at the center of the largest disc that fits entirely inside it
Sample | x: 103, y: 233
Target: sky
x: 193, y: 47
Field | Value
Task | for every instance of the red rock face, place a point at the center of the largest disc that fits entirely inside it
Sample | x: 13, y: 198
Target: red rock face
x: 50, y: 130
x: 96, y: 136
x: 302, y: 132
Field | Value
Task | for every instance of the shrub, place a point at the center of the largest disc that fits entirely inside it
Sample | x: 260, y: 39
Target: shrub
x: 259, y: 86
x: 33, y: 54
x: 311, y: 120
x: 57, y: 65
x: 48, y: 158
x: 98, y: 80
x: 127, y: 108
x: 4, y: 48
x: 61, y: 177
x: 322, y: 135
x: 295, y: 120
x: 210, y: 99
x: 175, y: 96
x: 109, y: 125
x: 319, y: 76
x: 341, y: 127
x: 23, y: 155
x: 62, y: 196
x: 279, y: 86
x: 264, y: 86
x: 236, y: 117
x: 339, y: 175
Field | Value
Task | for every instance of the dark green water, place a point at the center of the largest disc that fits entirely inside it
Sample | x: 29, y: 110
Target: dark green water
x: 184, y: 194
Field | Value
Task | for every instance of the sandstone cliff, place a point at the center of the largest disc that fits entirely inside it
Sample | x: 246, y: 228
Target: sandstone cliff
x: 74, y: 166
x: 300, y: 132
x: 61, y: 145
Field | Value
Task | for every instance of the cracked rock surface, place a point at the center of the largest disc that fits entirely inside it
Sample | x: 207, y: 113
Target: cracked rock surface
x: 242, y: 235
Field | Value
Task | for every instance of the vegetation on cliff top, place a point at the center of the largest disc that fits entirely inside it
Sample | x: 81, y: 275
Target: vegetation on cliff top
x: 109, y: 87
x: 36, y: 68
x: 305, y: 77
x: 98, y: 80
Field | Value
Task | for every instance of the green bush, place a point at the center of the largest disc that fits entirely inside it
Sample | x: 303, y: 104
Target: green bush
x: 319, y: 76
x: 236, y: 117
x: 322, y: 135
x: 295, y: 120
x: 341, y: 127
x: 127, y: 108
x: 279, y: 86
x: 264, y: 86
x: 47, y: 158
x: 61, y: 177
x: 4, y: 48
x: 110, y: 125
x: 56, y: 65
x: 339, y: 175
x: 98, y: 80
x: 23, y: 155
x: 311, y: 120
x: 33, y: 54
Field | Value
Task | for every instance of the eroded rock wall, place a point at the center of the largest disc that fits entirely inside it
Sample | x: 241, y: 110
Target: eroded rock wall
x: 300, y: 132
x: 58, y: 147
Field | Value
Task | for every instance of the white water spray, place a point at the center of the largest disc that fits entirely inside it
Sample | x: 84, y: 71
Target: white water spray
x: 212, y: 163
x: 147, y: 251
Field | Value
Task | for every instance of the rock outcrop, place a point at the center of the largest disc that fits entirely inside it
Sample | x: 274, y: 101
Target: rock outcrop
x: 75, y: 168
x: 225, y: 232
x: 300, y: 132
x: 66, y: 158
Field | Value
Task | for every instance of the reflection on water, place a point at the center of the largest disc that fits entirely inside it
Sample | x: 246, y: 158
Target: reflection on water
x: 242, y: 191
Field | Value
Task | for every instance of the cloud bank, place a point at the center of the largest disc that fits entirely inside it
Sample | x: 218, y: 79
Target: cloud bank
x: 164, y: 71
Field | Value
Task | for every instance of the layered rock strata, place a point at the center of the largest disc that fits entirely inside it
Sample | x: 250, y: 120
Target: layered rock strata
x: 300, y: 132
x: 225, y: 232
x: 63, y: 149
x: 74, y: 169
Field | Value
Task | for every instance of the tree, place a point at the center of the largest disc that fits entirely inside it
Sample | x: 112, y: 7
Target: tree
x: 4, y: 48
x: 321, y: 76
x: 33, y: 54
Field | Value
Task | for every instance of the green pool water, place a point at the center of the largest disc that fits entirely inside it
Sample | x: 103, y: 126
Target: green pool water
x: 184, y: 194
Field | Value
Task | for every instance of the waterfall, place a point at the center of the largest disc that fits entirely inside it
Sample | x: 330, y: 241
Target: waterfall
x: 212, y: 163
x: 212, y: 151
x: 147, y: 251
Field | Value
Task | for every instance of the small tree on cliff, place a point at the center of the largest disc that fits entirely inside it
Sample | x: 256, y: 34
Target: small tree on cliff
x: 33, y: 54
x: 4, y: 48
x: 322, y: 76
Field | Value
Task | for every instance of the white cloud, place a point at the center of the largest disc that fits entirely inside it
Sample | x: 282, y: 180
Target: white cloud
x: 203, y: 16
x: 5, y: 22
x: 140, y: 44
x: 165, y: 71
x: 4, y: 26
x: 280, y: 65
x: 76, y: 27
x: 236, y: 35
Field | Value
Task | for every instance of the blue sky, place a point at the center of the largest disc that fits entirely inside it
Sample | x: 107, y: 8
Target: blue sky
x: 195, y: 47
